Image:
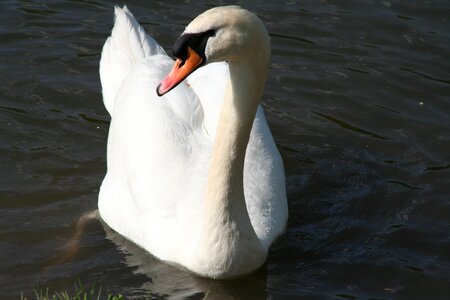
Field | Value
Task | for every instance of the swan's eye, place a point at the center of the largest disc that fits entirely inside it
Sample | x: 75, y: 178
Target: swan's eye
x: 196, y: 41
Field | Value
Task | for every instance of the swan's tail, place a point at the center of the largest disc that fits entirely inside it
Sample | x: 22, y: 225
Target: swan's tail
x: 127, y: 46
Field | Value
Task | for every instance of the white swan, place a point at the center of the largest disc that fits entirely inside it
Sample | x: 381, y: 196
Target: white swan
x: 194, y: 177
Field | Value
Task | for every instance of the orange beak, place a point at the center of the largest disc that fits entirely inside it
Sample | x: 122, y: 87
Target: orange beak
x: 179, y: 72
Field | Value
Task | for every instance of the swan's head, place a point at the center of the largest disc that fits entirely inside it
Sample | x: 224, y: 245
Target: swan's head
x: 227, y: 33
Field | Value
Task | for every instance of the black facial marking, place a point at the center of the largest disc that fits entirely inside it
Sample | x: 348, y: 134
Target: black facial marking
x: 196, y: 41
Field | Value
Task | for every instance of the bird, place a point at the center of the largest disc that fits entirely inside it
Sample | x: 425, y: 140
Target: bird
x: 193, y: 176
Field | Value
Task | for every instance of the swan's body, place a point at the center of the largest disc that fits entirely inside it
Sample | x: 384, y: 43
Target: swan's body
x: 194, y: 177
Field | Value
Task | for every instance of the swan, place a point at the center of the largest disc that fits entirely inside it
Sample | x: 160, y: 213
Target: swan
x: 193, y: 174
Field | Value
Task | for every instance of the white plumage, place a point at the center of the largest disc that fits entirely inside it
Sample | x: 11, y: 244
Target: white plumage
x: 160, y: 151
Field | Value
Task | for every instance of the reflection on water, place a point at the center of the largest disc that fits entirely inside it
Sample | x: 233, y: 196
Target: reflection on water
x: 174, y: 283
x: 358, y: 103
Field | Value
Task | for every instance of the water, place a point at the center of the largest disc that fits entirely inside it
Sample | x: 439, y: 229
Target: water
x: 358, y: 100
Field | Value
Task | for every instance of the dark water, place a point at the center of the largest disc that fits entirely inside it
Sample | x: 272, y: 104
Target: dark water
x: 358, y: 100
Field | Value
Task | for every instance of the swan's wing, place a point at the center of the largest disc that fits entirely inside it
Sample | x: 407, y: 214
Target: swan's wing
x: 153, y: 188
x: 127, y: 46
x: 264, y: 183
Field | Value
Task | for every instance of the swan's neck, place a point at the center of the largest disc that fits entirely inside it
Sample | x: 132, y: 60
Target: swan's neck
x: 225, y: 178
x: 227, y: 233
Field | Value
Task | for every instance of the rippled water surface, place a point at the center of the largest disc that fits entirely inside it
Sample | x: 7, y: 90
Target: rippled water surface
x: 358, y: 100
